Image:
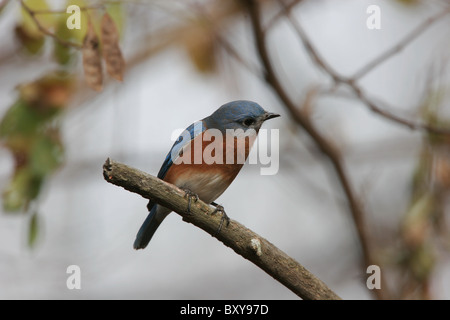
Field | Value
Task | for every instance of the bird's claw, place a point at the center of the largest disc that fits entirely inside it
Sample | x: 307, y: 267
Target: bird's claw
x: 225, y: 217
x: 190, y: 195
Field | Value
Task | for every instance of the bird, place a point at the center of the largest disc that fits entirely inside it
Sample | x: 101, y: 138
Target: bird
x: 239, y: 122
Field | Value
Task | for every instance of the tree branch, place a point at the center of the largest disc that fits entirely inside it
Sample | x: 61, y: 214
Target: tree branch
x: 243, y: 241
x: 411, y: 36
x: 328, y: 148
x: 352, y: 81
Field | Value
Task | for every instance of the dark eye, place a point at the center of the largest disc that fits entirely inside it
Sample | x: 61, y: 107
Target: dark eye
x: 248, y: 122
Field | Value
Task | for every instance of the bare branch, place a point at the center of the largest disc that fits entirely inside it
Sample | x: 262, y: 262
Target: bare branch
x: 281, y: 14
x: 328, y: 149
x: 313, y: 53
x: 395, y: 118
x: 413, y: 34
x: 234, y: 54
x: 243, y: 241
x: 352, y: 83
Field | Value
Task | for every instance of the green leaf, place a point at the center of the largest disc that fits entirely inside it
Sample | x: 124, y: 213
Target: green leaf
x: 13, y: 196
x: 31, y: 42
x: 23, y: 188
x: 33, y: 230
x: 47, y: 154
x: 20, y: 119
x: 63, y: 54
x: 25, y: 119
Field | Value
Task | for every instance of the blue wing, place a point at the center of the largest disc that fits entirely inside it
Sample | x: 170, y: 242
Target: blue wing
x: 152, y: 222
x: 185, y: 138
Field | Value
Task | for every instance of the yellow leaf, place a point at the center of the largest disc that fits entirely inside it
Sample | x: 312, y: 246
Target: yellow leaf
x: 46, y: 20
x: 200, y: 45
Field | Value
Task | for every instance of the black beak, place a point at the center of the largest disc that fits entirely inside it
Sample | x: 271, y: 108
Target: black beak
x: 269, y: 115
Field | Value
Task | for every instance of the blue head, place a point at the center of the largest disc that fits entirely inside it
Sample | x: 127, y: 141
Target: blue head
x: 239, y: 114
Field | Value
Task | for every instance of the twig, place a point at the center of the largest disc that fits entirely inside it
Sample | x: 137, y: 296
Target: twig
x: 243, y: 241
x: 45, y: 30
x: 324, y: 145
x: 234, y: 54
x: 415, y: 33
x: 351, y: 82
x: 281, y: 14
x: 64, y: 11
x: 315, y: 56
x: 395, y: 118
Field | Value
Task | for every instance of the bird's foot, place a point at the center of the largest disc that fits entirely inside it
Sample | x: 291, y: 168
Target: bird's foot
x: 225, y: 217
x: 190, y: 195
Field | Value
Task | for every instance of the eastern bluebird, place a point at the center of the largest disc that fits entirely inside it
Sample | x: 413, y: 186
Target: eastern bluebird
x: 202, y: 177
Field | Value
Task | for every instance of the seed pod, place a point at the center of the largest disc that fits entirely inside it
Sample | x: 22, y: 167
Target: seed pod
x: 92, y: 60
x: 115, y: 64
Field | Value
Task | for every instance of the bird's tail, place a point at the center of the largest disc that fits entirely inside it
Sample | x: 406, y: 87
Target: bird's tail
x: 148, y: 228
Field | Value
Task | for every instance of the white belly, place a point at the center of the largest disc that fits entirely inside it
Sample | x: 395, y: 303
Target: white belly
x: 207, y: 186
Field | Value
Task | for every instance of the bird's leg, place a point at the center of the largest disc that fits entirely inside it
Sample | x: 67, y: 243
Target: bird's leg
x: 220, y: 209
x: 189, y: 194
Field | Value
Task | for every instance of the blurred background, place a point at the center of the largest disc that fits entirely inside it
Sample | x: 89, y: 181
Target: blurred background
x: 367, y: 107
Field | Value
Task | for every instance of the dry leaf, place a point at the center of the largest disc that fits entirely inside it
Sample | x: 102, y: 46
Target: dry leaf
x: 200, y: 44
x: 115, y: 64
x: 92, y: 60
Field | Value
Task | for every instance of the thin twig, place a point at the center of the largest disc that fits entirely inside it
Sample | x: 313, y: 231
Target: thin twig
x: 314, y: 54
x: 351, y: 82
x: 243, y: 241
x: 64, y: 11
x: 395, y: 118
x: 234, y: 54
x: 414, y: 34
x: 281, y: 14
